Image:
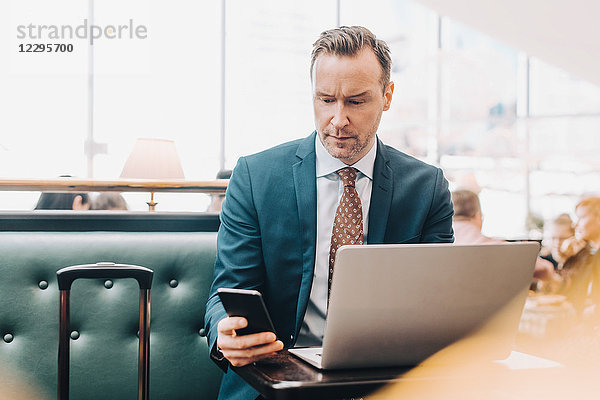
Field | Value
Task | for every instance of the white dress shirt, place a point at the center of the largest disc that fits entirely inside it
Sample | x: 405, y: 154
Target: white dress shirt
x: 329, y: 192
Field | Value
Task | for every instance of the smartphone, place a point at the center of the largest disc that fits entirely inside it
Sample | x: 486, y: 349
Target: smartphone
x: 248, y: 304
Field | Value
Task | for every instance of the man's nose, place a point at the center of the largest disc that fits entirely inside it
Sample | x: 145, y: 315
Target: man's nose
x: 340, y: 117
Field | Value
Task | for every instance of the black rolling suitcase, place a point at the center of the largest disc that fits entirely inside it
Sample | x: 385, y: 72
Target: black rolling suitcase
x: 66, y: 276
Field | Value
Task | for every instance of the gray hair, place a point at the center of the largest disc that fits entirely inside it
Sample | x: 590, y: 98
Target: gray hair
x: 348, y: 41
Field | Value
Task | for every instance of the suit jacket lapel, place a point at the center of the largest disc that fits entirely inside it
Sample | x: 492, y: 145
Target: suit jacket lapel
x: 381, y: 196
x: 305, y: 183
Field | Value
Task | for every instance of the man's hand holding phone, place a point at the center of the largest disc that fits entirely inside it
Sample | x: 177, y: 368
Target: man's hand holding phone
x: 244, y: 349
x: 247, y: 334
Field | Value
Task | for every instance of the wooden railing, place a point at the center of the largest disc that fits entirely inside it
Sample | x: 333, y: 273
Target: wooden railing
x: 95, y: 185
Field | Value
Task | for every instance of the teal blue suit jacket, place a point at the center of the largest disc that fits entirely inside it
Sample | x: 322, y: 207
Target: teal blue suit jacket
x: 267, y: 236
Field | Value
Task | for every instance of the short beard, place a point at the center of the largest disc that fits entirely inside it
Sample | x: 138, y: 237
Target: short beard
x: 348, y: 154
x: 357, y: 147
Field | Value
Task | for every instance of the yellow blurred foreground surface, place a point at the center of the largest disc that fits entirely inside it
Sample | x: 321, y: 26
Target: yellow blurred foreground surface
x: 560, y: 363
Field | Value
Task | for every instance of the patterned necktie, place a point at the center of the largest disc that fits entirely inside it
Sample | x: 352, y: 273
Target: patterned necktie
x: 348, y: 223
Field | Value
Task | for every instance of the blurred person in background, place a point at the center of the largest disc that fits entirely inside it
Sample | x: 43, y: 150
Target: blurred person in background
x: 581, y: 270
x: 63, y: 201
x: 561, y: 228
x: 468, y: 220
x: 109, y: 201
x: 467, y: 223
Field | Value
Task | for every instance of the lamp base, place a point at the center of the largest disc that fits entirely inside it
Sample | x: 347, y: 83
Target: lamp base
x: 151, y: 204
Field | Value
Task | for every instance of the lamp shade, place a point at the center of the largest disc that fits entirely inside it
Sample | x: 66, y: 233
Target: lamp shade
x: 153, y: 159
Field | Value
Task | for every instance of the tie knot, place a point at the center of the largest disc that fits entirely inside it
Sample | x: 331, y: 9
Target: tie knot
x: 348, y: 175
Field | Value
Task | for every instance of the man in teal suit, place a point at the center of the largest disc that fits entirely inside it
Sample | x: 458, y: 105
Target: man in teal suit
x: 280, y: 206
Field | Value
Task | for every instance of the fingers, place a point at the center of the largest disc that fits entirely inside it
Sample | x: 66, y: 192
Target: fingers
x: 228, y: 325
x: 242, y: 357
x: 245, y: 349
x: 233, y: 342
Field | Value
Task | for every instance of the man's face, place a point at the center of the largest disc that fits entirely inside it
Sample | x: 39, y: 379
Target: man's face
x: 588, y: 225
x: 348, y: 100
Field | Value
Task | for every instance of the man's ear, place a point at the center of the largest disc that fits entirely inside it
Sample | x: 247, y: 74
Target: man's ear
x: 387, y: 94
x: 78, y: 204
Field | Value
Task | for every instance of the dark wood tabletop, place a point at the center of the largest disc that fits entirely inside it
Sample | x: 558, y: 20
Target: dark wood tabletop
x: 286, y: 377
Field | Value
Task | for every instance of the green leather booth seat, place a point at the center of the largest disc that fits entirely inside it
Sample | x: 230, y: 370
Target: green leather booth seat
x: 104, y: 314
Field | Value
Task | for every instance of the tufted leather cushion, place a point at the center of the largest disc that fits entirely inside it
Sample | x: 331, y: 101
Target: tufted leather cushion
x: 104, y: 315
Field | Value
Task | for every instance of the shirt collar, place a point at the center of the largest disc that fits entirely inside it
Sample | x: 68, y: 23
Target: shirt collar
x: 327, y: 164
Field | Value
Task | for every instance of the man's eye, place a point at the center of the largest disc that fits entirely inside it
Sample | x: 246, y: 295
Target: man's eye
x: 355, y: 102
x: 327, y: 100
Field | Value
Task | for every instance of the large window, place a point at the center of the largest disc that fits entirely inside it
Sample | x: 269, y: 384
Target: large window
x: 479, y: 143
x: 228, y: 78
x: 43, y: 99
x: 167, y: 86
x: 411, y: 32
x: 563, y: 148
x: 268, y: 93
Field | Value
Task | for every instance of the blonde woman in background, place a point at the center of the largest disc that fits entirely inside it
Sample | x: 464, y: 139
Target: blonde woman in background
x: 581, y: 271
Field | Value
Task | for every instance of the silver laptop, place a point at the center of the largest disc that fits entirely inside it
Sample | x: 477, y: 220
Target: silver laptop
x: 395, y: 305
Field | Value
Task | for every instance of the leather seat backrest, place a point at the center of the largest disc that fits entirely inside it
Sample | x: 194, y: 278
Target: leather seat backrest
x: 104, y: 314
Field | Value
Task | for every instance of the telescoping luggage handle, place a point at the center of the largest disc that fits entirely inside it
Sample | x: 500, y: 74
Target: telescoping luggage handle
x: 104, y: 270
